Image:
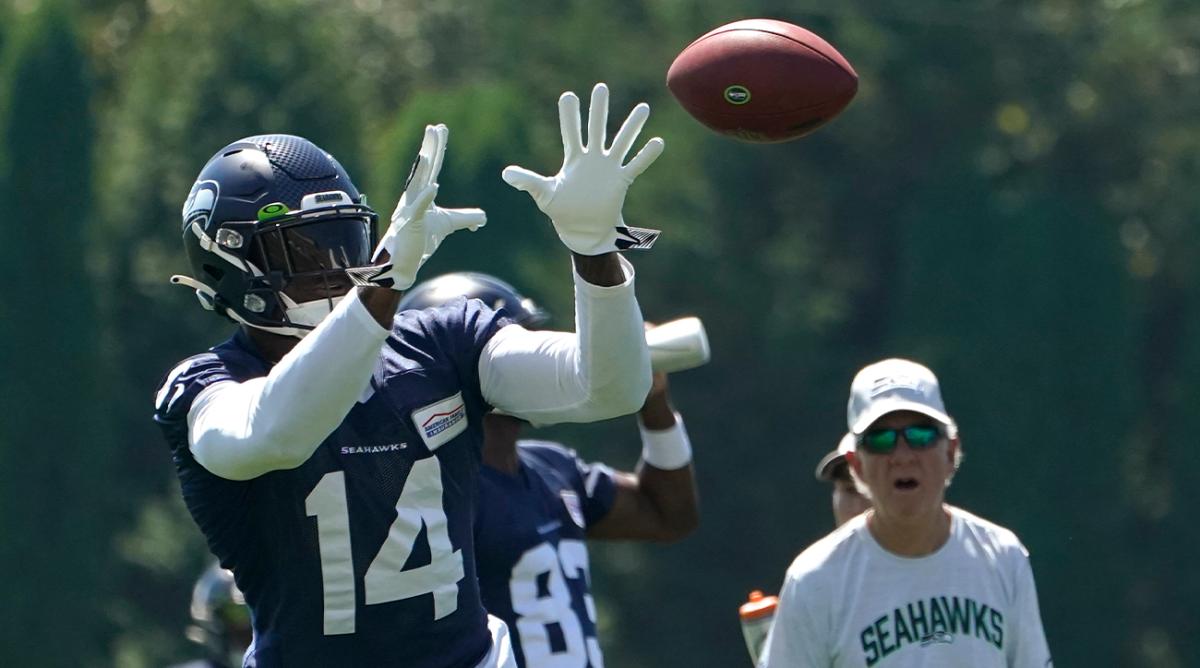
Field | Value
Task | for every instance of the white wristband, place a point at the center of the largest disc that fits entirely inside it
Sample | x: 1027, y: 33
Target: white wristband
x: 668, y: 449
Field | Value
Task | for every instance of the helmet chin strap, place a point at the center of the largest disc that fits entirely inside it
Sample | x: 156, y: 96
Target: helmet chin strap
x: 307, y: 314
x: 206, y: 295
x: 282, y: 331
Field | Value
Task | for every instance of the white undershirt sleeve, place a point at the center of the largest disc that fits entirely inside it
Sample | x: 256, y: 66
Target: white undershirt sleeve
x: 599, y: 372
x: 1027, y: 648
x: 242, y: 430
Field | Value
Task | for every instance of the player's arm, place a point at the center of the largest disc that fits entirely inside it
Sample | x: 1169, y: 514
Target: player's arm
x: 659, y: 502
x: 602, y: 369
x: 240, y: 430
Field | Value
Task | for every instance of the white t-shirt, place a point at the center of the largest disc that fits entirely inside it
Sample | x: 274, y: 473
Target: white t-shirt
x: 848, y: 602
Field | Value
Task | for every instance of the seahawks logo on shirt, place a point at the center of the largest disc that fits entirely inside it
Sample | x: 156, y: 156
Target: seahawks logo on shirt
x: 939, y: 620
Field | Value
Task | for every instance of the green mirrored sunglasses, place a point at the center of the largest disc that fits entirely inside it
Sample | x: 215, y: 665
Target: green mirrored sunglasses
x: 883, y: 441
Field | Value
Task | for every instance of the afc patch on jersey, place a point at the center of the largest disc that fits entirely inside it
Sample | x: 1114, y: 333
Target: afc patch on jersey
x: 574, y: 509
x: 441, y: 421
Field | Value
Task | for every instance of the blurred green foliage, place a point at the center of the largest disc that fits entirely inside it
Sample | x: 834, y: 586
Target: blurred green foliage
x: 1011, y: 198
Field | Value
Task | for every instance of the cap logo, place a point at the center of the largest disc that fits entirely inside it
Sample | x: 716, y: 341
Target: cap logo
x: 889, y: 383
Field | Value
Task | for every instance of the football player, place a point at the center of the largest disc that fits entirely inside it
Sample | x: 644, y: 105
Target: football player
x: 220, y: 620
x: 912, y: 581
x: 539, y: 502
x: 329, y: 450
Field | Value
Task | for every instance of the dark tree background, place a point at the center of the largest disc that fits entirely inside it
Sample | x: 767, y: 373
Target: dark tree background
x: 1011, y: 198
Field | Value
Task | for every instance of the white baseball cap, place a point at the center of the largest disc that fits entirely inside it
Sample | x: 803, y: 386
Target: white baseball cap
x: 834, y: 457
x: 893, y: 385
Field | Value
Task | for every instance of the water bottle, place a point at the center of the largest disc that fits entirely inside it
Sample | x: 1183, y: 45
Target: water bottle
x: 757, y: 613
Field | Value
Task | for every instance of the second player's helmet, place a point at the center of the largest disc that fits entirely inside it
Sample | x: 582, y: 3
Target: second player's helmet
x: 272, y: 216
x: 220, y: 617
x: 490, y: 290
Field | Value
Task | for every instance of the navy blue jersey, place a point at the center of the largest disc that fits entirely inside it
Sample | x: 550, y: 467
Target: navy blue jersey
x: 533, y: 564
x: 364, y: 554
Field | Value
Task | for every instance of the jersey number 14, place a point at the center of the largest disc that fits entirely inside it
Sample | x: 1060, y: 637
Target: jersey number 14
x: 420, y: 504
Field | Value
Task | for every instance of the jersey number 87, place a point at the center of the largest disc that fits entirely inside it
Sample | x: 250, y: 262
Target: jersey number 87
x: 535, y: 614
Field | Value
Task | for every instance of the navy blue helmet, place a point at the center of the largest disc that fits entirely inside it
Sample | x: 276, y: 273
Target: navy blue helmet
x: 271, y: 221
x: 220, y: 617
x: 492, y: 291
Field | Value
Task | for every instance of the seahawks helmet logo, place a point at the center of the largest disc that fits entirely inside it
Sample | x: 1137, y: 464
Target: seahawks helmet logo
x: 936, y: 638
x: 200, y: 202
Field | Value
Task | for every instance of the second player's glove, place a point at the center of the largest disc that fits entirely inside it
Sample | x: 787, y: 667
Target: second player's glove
x: 585, y: 198
x: 418, y: 225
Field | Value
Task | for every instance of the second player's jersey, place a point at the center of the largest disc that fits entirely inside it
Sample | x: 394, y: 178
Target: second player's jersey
x: 362, y: 555
x: 533, y: 563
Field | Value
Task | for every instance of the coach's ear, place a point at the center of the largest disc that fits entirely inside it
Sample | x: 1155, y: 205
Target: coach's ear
x: 954, y: 452
x: 855, y: 463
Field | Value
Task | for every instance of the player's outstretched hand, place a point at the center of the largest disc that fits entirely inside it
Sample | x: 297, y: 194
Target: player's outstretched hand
x: 418, y: 225
x: 585, y: 198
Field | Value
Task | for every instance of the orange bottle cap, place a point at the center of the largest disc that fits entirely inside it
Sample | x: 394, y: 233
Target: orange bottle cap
x: 758, y: 606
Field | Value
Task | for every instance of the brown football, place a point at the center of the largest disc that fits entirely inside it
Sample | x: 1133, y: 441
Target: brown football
x: 762, y: 80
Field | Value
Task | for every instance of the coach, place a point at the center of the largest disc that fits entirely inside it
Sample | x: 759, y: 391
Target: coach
x: 913, y: 581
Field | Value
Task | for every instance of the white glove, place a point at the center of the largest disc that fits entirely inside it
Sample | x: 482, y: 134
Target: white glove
x: 418, y: 225
x: 584, y: 199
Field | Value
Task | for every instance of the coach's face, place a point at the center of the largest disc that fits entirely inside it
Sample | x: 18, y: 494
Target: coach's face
x: 906, y: 482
